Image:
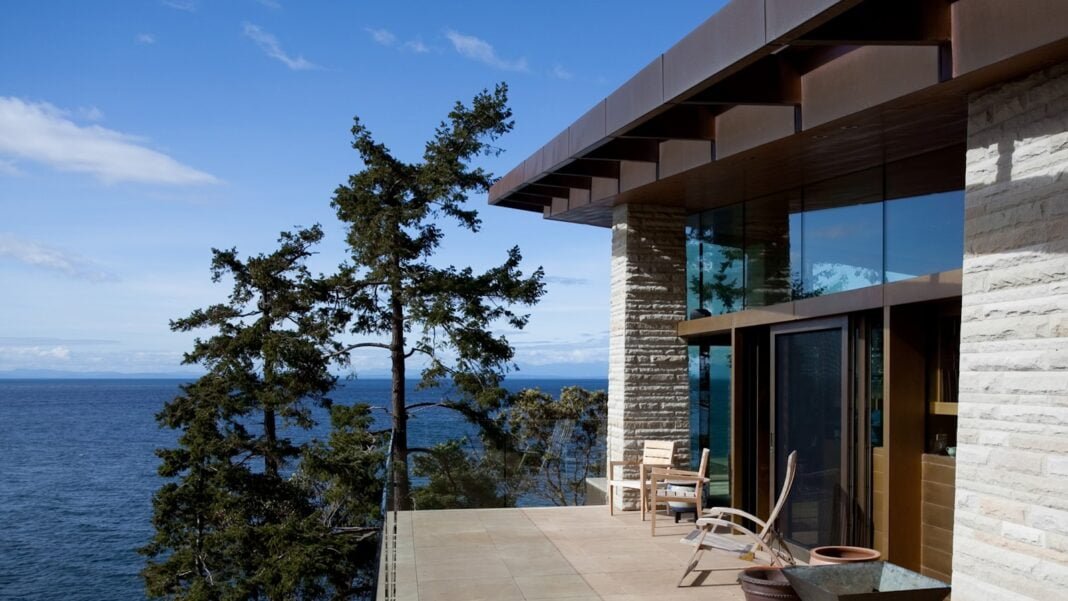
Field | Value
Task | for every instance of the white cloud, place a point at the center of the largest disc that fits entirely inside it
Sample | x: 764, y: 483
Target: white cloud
x: 35, y: 352
x: 566, y: 280
x: 482, y: 51
x: 270, y: 46
x: 8, y: 341
x: 188, y: 6
x: 560, y: 72
x: 589, y: 347
x: 382, y: 37
x: 416, y: 46
x: 90, y: 113
x: 40, y: 132
x: 145, y: 38
x: 49, y: 258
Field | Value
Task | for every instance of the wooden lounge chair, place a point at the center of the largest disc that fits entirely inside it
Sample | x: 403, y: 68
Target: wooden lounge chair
x: 655, y: 453
x: 662, y: 493
x: 739, y: 540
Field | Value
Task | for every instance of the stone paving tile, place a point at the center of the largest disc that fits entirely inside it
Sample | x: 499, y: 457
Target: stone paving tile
x: 553, y: 587
x: 573, y: 553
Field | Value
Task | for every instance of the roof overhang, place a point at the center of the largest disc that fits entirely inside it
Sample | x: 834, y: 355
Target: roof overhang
x: 767, y: 95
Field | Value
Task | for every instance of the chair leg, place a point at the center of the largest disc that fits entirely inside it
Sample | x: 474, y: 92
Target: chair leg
x: 696, y: 557
x: 641, y: 487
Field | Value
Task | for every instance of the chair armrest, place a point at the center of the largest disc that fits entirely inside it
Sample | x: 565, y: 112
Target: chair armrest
x: 673, y: 471
x: 612, y: 465
x: 719, y: 512
x: 666, y: 477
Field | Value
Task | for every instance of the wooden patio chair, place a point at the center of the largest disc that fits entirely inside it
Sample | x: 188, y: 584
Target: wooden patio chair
x: 655, y: 453
x: 739, y: 540
x: 662, y: 477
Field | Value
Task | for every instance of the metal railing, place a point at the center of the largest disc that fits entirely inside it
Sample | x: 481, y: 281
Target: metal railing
x: 385, y: 580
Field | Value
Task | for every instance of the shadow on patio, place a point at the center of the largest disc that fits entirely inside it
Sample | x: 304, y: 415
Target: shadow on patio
x: 577, y: 553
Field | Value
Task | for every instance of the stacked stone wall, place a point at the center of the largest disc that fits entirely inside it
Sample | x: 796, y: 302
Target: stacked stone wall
x: 648, y: 394
x: 1011, y: 523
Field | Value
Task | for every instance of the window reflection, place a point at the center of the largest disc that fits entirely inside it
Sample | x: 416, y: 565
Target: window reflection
x: 710, y: 413
x: 924, y: 234
x: 714, y: 278
x: 779, y: 248
x: 771, y: 235
x: 842, y: 249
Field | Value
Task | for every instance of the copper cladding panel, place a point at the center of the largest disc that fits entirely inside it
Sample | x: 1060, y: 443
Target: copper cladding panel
x: 783, y: 16
x: 634, y: 174
x: 677, y: 156
x: 588, y: 130
x: 578, y: 198
x: 988, y: 31
x: 556, y: 152
x: 745, y: 127
x: 510, y: 181
x: 640, y: 95
x: 728, y: 36
x: 865, y: 78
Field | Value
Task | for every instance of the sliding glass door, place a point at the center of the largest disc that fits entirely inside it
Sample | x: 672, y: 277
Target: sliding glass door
x: 811, y: 415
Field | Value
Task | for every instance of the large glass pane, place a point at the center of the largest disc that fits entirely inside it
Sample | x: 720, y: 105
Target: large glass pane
x: 700, y: 396
x: 719, y: 425
x: 924, y: 234
x: 808, y: 419
x: 842, y: 249
x: 722, y: 266
x: 710, y: 414
x: 693, y: 262
x: 772, y: 244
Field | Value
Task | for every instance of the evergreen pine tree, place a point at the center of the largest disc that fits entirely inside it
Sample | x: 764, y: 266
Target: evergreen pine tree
x: 231, y: 522
x: 403, y: 303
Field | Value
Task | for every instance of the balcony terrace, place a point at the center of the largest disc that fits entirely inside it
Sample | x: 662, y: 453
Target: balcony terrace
x: 575, y: 553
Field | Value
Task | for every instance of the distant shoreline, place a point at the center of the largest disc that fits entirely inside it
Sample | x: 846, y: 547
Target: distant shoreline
x: 37, y: 375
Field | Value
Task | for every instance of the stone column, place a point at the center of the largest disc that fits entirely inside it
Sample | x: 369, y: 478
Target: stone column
x: 648, y: 393
x: 1011, y: 525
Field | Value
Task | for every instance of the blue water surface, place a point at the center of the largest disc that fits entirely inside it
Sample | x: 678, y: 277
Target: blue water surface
x: 78, y: 469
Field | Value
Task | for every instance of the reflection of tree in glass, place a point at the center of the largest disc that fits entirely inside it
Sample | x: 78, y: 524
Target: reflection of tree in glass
x: 832, y: 278
x: 725, y: 285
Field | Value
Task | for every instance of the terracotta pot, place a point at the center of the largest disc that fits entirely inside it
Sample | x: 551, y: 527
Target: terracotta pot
x: 766, y: 583
x: 821, y: 556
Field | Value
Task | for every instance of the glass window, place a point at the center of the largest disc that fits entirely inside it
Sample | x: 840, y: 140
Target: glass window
x: 842, y: 249
x: 693, y: 263
x: 772, y: 238
x: 699, y: 399
x: 722, y: 275
x: 924, y: 234
x: 710, y: 414
x: 719, y: 424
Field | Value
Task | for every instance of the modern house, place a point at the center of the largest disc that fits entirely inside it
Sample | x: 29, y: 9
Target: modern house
x: 841, y: 227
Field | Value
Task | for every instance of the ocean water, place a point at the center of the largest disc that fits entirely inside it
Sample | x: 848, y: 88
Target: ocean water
x: 77, y: 473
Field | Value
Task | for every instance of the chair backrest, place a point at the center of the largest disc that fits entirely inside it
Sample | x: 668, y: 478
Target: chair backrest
x: 787, y: 484
x: 702, y: 468
x: 658, y: 452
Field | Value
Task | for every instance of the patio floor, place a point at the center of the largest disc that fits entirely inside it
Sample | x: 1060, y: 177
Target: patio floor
x: 577, y: 553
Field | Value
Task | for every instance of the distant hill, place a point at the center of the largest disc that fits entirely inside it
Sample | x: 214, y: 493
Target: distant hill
x: 555, y: 371
x: 55, y: 374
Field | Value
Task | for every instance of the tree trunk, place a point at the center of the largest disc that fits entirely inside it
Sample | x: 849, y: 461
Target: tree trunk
x: 402, y: 499
x: 270, y: 457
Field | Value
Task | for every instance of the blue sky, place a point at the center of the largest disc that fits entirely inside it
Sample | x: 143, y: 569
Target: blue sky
x: 135, y: 136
